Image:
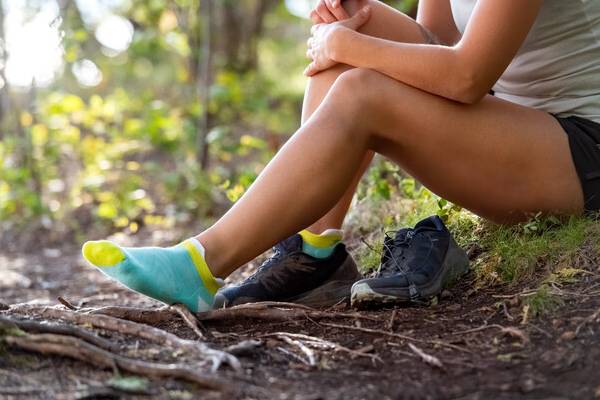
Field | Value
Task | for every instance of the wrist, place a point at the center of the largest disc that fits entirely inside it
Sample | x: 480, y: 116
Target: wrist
x: 337, y: 38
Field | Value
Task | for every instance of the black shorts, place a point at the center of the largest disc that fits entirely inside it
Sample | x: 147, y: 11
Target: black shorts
x: 584, y: 141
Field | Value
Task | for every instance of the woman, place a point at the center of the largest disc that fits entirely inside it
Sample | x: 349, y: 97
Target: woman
x: 417, y: 92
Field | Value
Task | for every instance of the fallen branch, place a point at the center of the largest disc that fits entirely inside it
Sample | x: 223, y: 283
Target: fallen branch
x: 397, y: 336
x: 427, y: 358
x: 143, y: 331
x: 44, y: 327
x: 80, y: 350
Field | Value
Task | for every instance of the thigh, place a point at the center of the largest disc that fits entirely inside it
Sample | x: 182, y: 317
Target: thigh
x: 499, y: 159
x: 386, y: 23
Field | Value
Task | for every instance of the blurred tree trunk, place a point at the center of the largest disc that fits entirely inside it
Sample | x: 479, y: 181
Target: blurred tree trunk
x: 242, y: 27
x: 205, y: 69
x: 3, y: 82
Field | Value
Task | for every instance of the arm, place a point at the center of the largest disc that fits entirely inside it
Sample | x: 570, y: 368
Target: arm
x: 464, y: 72
x: 436, y: 16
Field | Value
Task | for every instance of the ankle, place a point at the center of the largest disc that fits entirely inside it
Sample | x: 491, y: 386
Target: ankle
x: 216, y: 256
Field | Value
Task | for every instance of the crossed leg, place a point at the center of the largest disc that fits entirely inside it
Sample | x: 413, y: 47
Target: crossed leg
x: 498, y: 159
x: 387, y: 23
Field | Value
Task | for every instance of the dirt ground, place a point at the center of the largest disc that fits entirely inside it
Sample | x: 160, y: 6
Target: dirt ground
x: 473, y: 344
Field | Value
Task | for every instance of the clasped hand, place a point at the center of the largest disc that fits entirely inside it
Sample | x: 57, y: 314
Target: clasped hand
x: 330, y: 20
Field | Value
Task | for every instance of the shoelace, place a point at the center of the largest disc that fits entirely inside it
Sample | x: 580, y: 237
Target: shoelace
x: 266, y: 264
x: 391, y: 256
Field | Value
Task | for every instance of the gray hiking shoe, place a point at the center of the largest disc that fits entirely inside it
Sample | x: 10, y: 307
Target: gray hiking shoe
x: 416, y: 265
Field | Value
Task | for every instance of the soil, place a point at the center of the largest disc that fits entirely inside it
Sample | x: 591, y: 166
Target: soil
x: 480, y: 342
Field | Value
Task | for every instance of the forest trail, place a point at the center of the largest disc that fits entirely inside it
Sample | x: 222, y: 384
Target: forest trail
x: 473, y: 344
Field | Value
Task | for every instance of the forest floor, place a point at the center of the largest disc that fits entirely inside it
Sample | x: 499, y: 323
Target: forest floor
x: 476, y: 342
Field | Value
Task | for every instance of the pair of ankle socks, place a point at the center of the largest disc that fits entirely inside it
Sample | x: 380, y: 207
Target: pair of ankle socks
x: 320, y: 245
x: 177, y: 274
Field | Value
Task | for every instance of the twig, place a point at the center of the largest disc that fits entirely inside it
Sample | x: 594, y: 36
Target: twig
x: 325, y: 344
x: 508, y: 330
x: 310, y: 355
x: 189, y: 319
x: 245, y: 347
x: 80, y: 350
x: 66, y: 303
x: 397, y: 336
x: 586, y: 321
x: 296, y: 356
x: 390, y: 324
x: 147, y: 332
x: 44, y: 327
x: 427, y: 358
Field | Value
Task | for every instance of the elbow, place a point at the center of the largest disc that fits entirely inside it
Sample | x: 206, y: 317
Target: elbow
x: 469, y: 89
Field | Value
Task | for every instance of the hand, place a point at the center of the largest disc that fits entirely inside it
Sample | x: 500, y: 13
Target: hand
x: 320, y: 42
x: 328, y: 11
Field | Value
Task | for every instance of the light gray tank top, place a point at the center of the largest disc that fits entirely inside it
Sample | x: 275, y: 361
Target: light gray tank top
x: 557, y: 69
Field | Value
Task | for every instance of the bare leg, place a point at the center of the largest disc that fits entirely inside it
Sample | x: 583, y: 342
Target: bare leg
x: 387, y: 23
x: 495, y: 158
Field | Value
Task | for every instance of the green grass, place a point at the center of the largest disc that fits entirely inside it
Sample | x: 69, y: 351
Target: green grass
x: 514, y: 253
x: 509, y: 254
x: 543, y: 301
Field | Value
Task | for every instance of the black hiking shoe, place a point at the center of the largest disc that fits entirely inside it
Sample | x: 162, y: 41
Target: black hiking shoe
x: 416, y: 265
x: 293, y: 276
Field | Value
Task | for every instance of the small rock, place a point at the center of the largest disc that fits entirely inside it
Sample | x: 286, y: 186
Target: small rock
x: 557, y: 323
x: 446, y: 294
x: 568, y: 335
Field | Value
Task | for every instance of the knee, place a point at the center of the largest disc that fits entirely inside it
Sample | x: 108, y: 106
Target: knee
x: 357, y: 87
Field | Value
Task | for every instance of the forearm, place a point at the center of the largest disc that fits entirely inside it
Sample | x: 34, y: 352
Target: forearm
x: 440, y: 70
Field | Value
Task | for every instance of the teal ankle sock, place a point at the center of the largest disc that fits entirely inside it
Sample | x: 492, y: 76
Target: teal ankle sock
x: 172, y: 275
x: 322, y: 245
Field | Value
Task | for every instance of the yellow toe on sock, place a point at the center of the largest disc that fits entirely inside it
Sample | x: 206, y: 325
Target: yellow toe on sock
x: 102, y: 253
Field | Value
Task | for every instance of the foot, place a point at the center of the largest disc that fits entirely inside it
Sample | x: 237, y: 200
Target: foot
x: 293, y: 276
x: 172, y: 275
x: 416, y: 265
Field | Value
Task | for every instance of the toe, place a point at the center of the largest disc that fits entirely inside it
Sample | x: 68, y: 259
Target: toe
x: 102, y: 253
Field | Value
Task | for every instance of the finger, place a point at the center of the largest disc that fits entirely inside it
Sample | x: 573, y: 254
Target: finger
x: 338, y: 12
x: 309, y: 42
x: 309, y: 54
x: 324, y: 13
x: 310, y: 70
x: 314, y: 28
x: 359, y: 19
x: 314, y: 16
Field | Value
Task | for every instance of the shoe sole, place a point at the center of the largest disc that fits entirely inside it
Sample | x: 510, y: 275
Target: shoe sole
x: 456, y: 264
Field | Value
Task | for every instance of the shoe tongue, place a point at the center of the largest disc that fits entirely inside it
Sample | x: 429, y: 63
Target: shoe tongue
x: 290, y: 245
x: 434, y: 222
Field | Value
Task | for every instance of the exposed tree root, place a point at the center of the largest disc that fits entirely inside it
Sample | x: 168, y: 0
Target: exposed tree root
x: 143, y: 331
x: 78, y: 349
x: 276, y: 311
x: 45, y: 327
x: 189, y: 318
x: 319, y: 343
